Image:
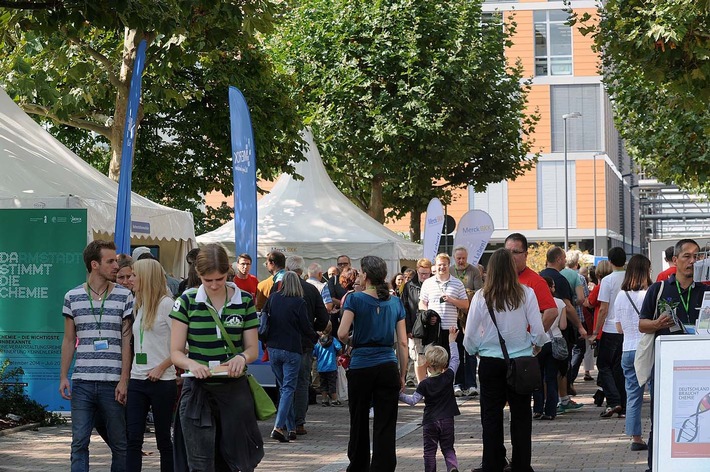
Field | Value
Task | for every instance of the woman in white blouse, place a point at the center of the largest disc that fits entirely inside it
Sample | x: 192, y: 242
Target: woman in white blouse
x: 627, y: 305
x: 153, y: 382
x: 516, y: 309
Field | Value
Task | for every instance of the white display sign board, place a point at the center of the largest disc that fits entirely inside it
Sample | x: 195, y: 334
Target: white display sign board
x: 681, y: 432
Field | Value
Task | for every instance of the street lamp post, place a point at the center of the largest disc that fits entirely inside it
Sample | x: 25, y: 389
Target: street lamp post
x: 594, y: 173
x: 574, y: 114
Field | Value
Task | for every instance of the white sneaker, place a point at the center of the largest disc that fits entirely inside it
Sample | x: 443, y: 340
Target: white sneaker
x: 471, y: 392
x: 457, y: 391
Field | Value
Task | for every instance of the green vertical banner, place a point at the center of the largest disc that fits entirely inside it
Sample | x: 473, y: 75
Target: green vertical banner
x: 40, y: 260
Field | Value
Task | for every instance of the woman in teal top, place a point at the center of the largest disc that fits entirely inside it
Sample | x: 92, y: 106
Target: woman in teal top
x: 377, y: 321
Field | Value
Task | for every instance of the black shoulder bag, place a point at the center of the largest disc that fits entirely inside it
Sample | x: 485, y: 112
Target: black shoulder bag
x: 523, y: 375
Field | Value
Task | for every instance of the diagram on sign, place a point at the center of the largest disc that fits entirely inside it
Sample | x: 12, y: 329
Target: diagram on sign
x: 691, y: 404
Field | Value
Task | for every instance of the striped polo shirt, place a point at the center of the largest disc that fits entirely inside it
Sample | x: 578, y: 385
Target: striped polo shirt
x: 91, y: 325
x: 193, y: 309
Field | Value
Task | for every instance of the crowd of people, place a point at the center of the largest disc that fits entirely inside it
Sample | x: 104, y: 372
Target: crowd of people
x: 446, y: 328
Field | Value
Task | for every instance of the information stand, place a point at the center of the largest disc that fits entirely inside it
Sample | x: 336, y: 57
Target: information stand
x: 681, y: 432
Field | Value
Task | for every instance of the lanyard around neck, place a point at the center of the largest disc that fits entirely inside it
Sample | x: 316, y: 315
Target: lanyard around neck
x: 140, y: 331
x: 686, y: 302
x: 443, y: 284
x: 101, y: 312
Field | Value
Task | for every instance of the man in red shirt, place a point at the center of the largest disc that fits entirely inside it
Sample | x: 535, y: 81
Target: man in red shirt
x: 243, y: 278
x: 517, y: 244
x: 670, y: 270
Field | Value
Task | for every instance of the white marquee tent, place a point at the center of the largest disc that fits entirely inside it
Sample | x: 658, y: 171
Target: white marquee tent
x: 39, y: 172
x: 313, y: 219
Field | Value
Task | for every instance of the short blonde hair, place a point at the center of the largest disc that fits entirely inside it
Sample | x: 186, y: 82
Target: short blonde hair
x: 436, y: 357
x: 443, y: 256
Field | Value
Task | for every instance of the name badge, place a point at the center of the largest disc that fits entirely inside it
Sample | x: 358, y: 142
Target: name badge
x: 101, y: 345
x: 141, y: 358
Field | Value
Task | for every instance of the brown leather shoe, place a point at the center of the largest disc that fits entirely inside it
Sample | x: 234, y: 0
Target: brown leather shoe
x: 301, y: 430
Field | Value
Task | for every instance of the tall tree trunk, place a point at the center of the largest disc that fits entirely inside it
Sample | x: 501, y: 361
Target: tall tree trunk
x: 415, y: 225
x: 377, y: 208
x: 130, y: 45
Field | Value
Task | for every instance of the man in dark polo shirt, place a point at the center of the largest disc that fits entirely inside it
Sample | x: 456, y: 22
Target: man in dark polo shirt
x: 679, y: 290
x: 556, y: 261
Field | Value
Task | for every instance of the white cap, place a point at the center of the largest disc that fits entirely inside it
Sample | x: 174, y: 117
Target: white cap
x: 139, y: 251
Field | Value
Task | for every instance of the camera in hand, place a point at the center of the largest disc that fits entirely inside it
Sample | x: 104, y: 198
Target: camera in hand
x: 442, y: 299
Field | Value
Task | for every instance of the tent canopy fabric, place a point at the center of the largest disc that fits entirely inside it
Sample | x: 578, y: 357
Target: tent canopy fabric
x: 40, y: 172
x: 313, y: 219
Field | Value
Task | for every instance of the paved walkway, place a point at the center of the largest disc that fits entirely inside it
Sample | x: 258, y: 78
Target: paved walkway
x: 576, y: 441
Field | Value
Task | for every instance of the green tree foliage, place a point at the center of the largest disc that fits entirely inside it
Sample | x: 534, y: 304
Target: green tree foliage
x: 656, y: 65
x: 14, y: 400
x: 408, y: 99
x: 70, y: 62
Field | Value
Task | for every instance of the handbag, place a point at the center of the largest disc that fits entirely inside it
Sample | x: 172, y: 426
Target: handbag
x: 263, y: 406
x: 646, y: 350
x: 523, y: 375
x: 263, y: 330
x: 559, y: 348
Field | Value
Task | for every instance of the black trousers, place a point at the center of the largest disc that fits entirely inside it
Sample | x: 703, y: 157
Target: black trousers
x: 443, y: 341
x: 494, y: 395
x: 611, y: 375
x: 378, y: 387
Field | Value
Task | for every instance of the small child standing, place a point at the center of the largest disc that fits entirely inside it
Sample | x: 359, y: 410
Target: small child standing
x: 439, y: 404
x: 326, y: 353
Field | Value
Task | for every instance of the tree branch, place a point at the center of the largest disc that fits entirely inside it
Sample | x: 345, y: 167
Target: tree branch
x: 100, y: 58
x: 75, y: 122
x: 29, y: 5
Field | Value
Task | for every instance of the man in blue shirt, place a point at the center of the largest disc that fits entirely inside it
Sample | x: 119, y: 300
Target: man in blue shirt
x: 680, y: 291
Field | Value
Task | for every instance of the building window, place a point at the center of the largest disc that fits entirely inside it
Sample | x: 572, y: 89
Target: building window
x: 553, y: 43
x: 583, y: 133
x: 551, y: 194
x: 493, y: 201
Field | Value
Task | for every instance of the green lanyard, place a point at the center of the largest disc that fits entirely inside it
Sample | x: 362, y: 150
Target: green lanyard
x: 460, y: 276
x: 101, y: 313
x: 686, y: 302
x: 140, y: 331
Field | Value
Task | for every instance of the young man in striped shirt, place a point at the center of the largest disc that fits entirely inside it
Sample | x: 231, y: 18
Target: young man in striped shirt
x: 98, y: 314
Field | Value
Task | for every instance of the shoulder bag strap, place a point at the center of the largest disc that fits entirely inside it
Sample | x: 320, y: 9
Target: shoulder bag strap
x: 660, y: 291
x: 500, y: 337
x: 225, y: 335
x: 632, y: 302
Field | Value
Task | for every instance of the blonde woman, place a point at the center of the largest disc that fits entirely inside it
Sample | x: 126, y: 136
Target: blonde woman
x: 152, y: 381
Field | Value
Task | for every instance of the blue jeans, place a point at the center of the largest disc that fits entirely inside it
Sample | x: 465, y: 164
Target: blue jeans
x: 300, y: 403
x: 285, y: 365
x: 87, y: 399
x: 549, y: 367
x: 142, y: 394
x: 634, y: 394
